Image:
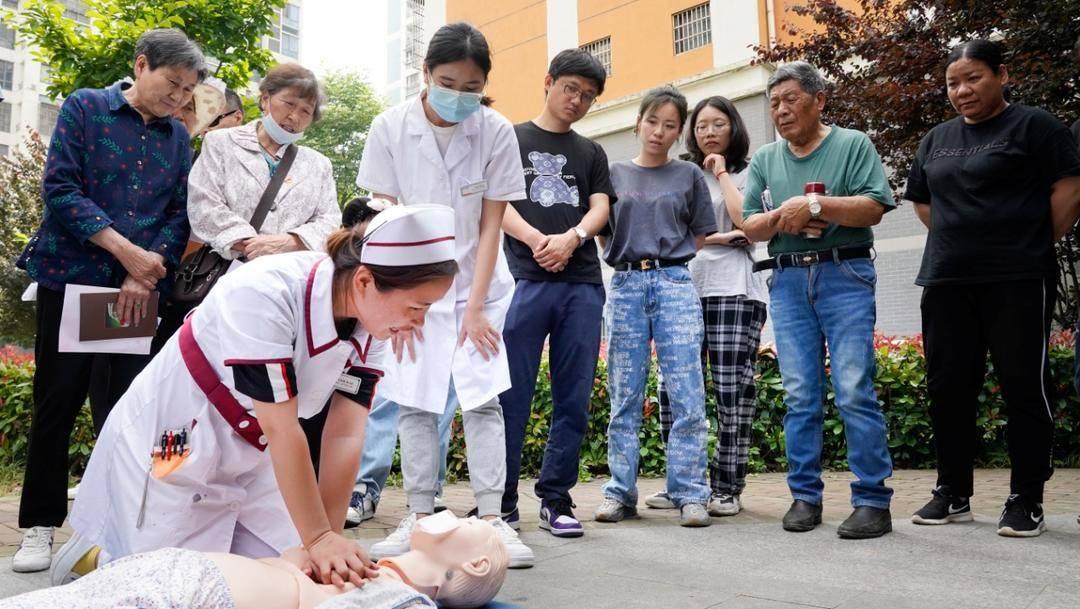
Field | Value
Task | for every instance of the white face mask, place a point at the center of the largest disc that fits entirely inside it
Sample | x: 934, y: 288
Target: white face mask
x: 277, y: 133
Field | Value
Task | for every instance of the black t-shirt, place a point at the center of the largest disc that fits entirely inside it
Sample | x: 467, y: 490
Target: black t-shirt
x: 1076, y: 132
x: 561, y: 171
x: 988, y: 186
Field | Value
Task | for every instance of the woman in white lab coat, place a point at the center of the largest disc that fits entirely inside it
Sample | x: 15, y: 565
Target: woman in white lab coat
x: 183, y: 462
x: 448, y: 147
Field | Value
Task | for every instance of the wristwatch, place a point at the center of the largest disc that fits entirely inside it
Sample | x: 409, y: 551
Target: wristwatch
x: 581, y: 235
x: 815, y: 206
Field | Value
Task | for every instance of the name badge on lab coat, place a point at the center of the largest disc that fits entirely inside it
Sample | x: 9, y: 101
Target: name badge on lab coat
x: 474, y: 188
x: 348, y: 384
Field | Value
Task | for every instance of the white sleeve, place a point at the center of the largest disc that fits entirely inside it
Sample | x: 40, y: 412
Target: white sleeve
x: 254, y: 325
x: 504, y: 174
x: 377, y: 174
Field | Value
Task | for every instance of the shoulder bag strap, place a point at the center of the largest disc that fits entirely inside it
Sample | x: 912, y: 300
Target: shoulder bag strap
x: 272, y: 188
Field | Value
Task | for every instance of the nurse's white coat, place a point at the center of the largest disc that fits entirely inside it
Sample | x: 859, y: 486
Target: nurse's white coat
x: 402, y: 159
x: 276, y: 308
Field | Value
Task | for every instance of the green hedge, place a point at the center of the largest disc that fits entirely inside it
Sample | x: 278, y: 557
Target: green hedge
x: 900, y: 384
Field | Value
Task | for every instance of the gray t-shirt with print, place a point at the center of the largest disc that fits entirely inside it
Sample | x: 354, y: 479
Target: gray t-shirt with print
x: 659, y: 212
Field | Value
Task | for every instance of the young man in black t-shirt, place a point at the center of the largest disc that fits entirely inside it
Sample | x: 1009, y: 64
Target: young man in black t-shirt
x: 560, y: 292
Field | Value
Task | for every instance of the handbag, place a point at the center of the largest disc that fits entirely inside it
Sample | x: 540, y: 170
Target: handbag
x: 201, y: 269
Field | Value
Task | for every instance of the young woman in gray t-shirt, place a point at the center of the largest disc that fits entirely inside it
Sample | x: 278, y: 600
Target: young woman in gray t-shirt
x: 732, y: 301
x: 662, y: 215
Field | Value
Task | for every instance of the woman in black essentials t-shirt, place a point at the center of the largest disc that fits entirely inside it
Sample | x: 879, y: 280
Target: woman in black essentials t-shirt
x: 996, y: 186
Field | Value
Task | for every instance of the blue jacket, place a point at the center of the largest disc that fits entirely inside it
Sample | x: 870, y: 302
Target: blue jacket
x: 107, y: 167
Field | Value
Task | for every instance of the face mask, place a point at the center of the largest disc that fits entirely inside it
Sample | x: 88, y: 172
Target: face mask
x: 453, y: 106
x: 278, y: 134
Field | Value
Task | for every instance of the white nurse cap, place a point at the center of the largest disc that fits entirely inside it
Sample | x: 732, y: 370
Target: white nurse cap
x: 407, y: 235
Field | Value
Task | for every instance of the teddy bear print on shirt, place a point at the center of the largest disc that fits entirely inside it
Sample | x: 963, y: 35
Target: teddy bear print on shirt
x: 549, y: 187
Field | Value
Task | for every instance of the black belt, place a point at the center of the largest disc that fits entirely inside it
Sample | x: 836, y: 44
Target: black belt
x: 650, y: 264
x: 811, y: 258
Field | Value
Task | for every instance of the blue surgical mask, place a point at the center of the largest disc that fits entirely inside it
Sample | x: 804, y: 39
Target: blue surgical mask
x: 453, y: 106
x: 278, y: 134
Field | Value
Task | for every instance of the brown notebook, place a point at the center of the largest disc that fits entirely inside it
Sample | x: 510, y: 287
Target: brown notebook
x: 99, y: 319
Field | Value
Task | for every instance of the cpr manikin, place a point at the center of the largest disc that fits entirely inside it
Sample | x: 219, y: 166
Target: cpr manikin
x: 458, y: 562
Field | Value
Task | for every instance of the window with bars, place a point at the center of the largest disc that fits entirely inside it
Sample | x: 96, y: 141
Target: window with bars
x: 12, y: 4
x: 5, y: 117
x: 47, y: 115
x: 4, y: 150
x: 412, y: 84
x: 692, y: 28
x: 414, y: 34
x: 76, y: 10
x: 290, y: 31
x: 7, y: 74
x: 7, y: 37
x: 601, y: 50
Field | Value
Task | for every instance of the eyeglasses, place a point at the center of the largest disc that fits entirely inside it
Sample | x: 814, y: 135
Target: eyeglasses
x: 704, y: 128
x: 222, y: 117
x: 571, y: 90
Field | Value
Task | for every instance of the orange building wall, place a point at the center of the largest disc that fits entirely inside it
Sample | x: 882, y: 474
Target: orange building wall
x: 786, y: 18
x: 516, y: 30
x: 642, y: 42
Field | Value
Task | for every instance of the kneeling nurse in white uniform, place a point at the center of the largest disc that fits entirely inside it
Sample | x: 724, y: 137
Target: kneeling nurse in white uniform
x: 205, y: 451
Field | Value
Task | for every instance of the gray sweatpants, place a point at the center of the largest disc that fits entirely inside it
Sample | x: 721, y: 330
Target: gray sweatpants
x: 485, y: 449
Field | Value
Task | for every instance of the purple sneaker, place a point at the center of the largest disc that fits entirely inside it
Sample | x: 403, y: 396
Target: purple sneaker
x: 557, y: 518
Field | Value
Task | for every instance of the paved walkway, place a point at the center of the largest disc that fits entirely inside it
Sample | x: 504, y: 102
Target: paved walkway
x: 749, y: 562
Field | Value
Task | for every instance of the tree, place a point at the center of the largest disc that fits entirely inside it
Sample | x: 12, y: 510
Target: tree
x: 340, y: 134
x: 886, y: 61
x: 230, y: 34
x: 20, y: 206
x: 886, y: 64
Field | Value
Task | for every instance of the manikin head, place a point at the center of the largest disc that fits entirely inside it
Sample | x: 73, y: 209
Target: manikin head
x: 459, y: 562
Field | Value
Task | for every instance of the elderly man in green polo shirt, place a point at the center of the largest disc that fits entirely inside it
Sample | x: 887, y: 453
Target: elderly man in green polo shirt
x: 814, y: 195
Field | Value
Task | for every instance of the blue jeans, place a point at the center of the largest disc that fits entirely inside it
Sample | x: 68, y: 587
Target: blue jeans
x: 830, y: 303
x: 380, y: 437
x: 661, y: 305
x: 570, y: 313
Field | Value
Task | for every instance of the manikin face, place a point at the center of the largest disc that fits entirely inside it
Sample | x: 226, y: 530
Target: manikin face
x: 658, y: 129
x: 449, y: 540
x: 164, y: 91
x: 385, y: 313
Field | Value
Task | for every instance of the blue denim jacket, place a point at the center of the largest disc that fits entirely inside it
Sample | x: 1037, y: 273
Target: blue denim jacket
x: 107, y: 167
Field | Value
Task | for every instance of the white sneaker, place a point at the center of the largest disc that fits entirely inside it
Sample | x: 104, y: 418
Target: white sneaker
x: 73, y: 492
x: 396, y: 543
x: 69, y: 555
x: 722, y: 504
x: 521, y: 556
x: 361, y: 507
x: 660, y: 501
x: 35, y: 551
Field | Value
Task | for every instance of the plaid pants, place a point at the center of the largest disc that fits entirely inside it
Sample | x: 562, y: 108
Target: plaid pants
x: 732, y: 334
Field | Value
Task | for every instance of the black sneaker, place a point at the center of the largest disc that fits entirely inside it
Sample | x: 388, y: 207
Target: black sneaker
x: 1021, y: 518
x: 943, y: 508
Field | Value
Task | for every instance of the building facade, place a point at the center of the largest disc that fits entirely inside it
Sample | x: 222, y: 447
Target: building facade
x: 705, y: 48
x: 23, y: 80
